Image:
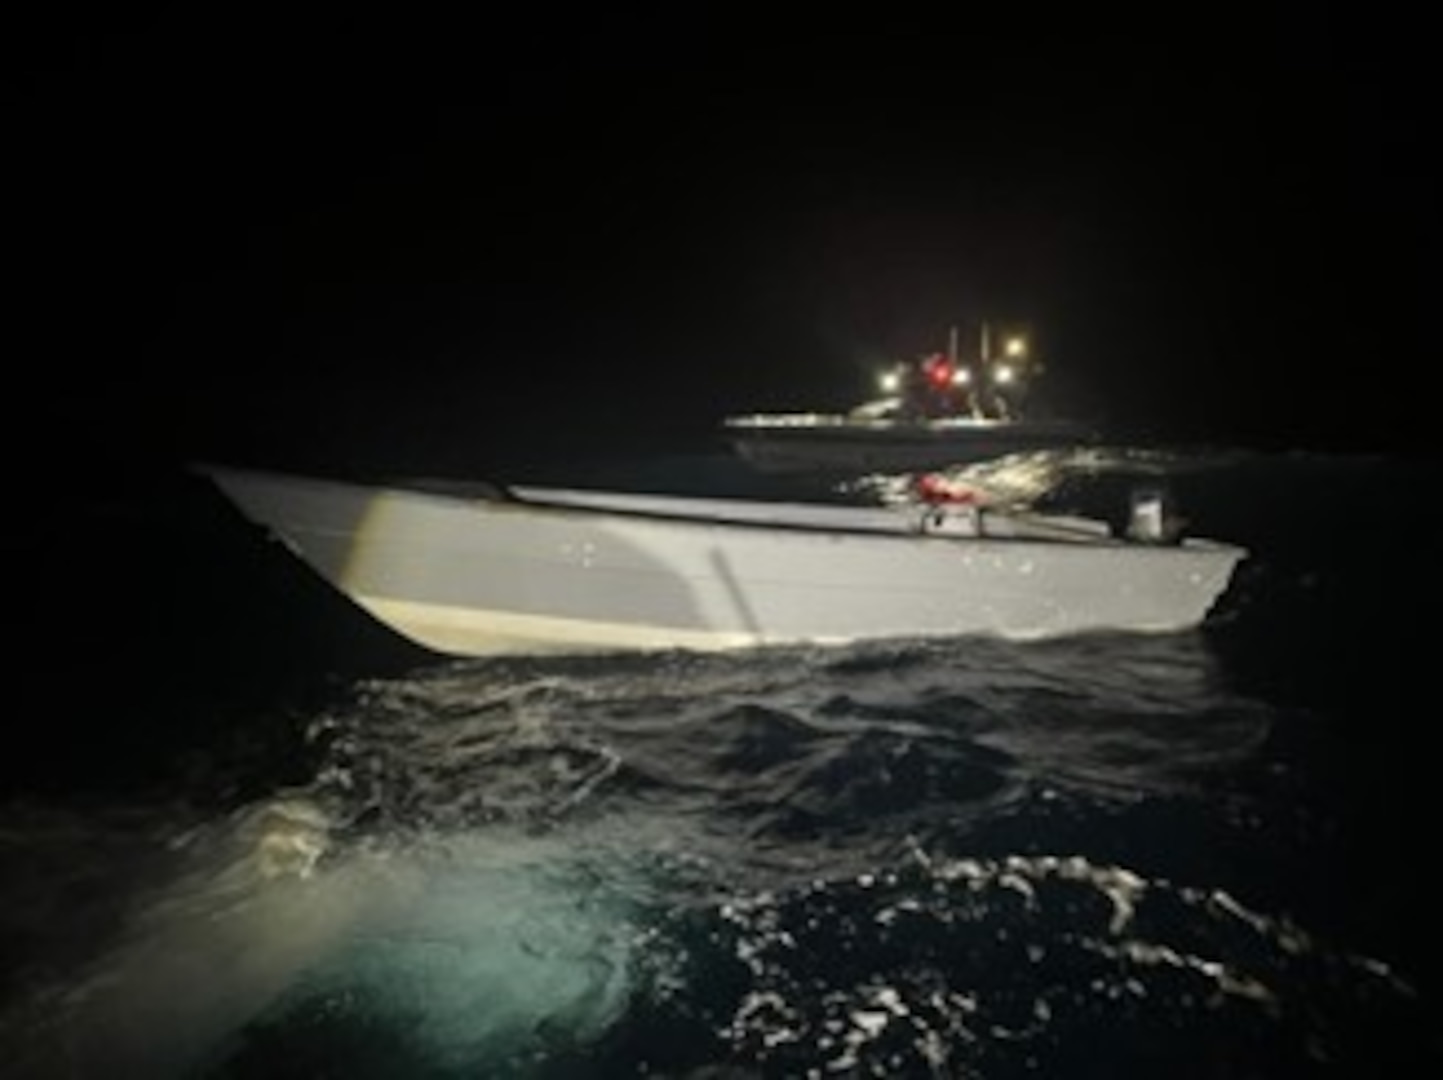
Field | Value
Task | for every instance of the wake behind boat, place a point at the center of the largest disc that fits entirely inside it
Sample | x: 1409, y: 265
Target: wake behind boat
x: 495, y: 571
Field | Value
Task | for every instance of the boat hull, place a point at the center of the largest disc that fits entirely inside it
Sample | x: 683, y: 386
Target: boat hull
x: 492, y: 576
x: 804, y: 442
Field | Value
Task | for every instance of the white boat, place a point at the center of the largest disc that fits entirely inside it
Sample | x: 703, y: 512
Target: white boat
x: 940, y: 411
x: 879, y: 441
x: 484, y: 571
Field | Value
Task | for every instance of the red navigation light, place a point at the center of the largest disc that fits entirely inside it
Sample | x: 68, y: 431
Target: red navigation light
x: 938, y: 371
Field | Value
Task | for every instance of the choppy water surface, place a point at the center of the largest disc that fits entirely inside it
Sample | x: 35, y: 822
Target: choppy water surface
x: 1110, y: 856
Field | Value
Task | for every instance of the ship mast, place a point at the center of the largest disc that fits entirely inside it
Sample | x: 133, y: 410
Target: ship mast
x: 984, y: 355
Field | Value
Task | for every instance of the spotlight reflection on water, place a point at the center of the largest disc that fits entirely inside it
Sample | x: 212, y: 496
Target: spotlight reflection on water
x: 463, y: 949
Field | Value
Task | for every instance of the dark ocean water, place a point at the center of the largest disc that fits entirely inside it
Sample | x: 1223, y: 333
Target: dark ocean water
x: 247, y: 833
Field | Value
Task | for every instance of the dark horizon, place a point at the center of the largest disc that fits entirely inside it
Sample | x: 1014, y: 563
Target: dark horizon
x: 347, y: 238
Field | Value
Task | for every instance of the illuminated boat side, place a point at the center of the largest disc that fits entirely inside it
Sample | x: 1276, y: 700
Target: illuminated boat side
x: 546, y: 570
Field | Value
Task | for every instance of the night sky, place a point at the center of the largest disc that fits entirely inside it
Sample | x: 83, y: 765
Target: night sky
x: 412, y: 243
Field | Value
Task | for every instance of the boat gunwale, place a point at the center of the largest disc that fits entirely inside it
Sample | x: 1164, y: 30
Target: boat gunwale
x: 506, y: 496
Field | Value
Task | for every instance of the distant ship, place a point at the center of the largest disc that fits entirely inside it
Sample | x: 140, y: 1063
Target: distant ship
x: 938, y: 411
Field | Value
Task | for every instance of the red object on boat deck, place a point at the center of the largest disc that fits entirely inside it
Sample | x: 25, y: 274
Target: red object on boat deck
x: 936, y: 488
